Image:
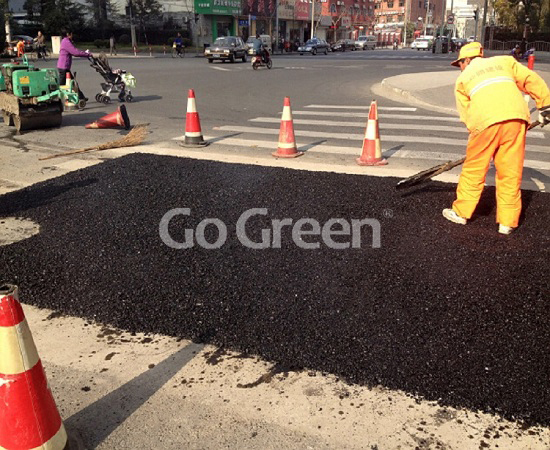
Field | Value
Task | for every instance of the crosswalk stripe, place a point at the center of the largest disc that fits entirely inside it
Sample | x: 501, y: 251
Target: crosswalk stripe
x: 366, y: 114
x: 359, y: 137
x: 356, y: 151
x: 365, y: 107
x: 382, y: 126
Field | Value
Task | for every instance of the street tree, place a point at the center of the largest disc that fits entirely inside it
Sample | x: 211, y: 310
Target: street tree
x: 147, y: 13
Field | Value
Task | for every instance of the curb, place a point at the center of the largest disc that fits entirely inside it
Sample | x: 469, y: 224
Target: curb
x: 408, y: 97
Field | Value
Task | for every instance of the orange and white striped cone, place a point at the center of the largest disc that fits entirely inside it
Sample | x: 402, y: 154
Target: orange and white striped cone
x: 287, y: 142
x: 371, y: 154
x: 193, y: 133
x: 29, y: 418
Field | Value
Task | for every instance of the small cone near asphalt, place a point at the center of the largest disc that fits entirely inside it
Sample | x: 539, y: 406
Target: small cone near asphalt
x: 29, y: 418
x: 119, y: 118
x: 287, y: 142
x: 193, y: 133
x: 371, y: 154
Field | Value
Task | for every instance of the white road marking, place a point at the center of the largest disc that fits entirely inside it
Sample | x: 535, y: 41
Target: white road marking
x: 382, y: 125
x: 385, y: 116
x: 387, y: 153
x: 365, y: 107
x: 359, y: 137
x: 220, y: 68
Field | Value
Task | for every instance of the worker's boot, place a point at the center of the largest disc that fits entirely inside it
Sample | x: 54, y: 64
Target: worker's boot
x: 503, y: 229
x: 451, y: 215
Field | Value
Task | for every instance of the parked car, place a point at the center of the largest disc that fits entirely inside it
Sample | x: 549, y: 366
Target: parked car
x: 314, y: 46
x: 422, y: 44
x: 266, y: 40
x: 26, y: 39
x: 342, y: 45
x: 471, y: 39
x: 228, y: 48
x: 365, y: 43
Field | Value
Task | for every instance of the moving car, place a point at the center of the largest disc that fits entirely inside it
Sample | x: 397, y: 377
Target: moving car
x: 342, y: 45
x: 227, y: 48
x: 26, y: 39
x: 422, y: 44
x: 365, y: 43
x: 314, y: 46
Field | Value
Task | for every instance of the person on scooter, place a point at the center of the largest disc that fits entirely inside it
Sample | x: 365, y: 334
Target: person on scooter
x: 259, y: 48
x: 178, y: 43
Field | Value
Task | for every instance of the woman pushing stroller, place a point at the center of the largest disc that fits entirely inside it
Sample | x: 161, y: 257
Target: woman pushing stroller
x: 66, y: 53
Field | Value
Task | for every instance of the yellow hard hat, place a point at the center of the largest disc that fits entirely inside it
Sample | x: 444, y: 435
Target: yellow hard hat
x: 470, y: 50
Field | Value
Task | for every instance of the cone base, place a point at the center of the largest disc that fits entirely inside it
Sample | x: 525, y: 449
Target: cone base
x: 381, y: 162
x: 194, y: 144
x: 287, y: 155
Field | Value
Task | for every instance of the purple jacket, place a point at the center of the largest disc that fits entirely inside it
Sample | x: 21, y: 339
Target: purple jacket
x: 66, y: 53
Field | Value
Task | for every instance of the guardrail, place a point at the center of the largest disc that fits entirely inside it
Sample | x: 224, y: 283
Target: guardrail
x: 540, y: 46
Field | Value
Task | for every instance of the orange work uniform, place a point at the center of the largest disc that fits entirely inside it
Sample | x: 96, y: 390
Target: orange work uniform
x: 20, y: 48
x: 490, y: 102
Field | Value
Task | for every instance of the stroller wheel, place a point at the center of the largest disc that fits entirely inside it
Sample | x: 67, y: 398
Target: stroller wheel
x: 129, y: 98
x: 98, y: 98
x: 106, y: 99
x: 81, y: 104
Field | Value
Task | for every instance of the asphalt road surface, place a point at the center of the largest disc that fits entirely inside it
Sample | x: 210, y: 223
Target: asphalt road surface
x: 452, y: 313
x: 240, y: 108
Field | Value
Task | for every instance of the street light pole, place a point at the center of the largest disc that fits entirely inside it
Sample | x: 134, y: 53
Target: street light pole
x: 312, y: 16
x: 426, y: 21
x: 405, y: 23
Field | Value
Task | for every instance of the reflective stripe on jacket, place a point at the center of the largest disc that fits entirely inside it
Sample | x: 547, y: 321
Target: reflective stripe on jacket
x: 490, y: 90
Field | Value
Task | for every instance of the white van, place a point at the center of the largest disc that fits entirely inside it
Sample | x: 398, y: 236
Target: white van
x: 266, y: 40
x: 365, y: 43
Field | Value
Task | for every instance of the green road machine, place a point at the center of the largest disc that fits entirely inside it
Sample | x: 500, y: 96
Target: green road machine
x: 31, y: 98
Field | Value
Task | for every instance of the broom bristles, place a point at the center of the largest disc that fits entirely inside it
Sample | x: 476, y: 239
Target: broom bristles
x: 133, y: 138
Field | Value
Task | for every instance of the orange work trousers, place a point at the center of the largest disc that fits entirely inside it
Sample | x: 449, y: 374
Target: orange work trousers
x: 505, y: 143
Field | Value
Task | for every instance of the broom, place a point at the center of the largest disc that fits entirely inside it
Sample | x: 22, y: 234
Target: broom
x: 133, y: 138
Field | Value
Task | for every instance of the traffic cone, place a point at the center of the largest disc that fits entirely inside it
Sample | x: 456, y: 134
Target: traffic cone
x: 67, y: 84
x: 372, y: 154
x: 193, y: 133
x: 287, y: 141
x: 119, y: 118
x: 29, y: 418
x: 531, y: 61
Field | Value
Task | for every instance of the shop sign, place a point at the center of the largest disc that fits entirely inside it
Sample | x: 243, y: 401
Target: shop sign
x: 218, y: 7
x: 301, y: 8
x: 286, y: 9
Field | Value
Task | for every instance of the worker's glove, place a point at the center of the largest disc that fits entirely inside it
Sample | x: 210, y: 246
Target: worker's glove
x: 544, y: 115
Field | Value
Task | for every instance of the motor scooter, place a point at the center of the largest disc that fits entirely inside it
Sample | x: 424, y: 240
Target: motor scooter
x: 257, y: 61
x: 516, y: 53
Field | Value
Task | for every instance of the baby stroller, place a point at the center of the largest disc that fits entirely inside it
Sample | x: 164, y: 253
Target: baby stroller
x: 116, y: 81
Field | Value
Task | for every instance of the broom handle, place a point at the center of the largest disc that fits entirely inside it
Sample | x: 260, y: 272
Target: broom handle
x: 72, y: 152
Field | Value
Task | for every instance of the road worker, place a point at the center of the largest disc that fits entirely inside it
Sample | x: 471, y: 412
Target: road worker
x: 490, y: 102
x: 20, y: 48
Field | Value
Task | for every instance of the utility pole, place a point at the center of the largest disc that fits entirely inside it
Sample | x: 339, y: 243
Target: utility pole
x: 405, y: 23
x: 312, y: 17
x: 132, y: 26
x: 276, y: 25
x: 484, y: 22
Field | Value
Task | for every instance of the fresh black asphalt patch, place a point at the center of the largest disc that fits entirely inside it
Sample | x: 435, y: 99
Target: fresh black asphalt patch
x: 456, y: 314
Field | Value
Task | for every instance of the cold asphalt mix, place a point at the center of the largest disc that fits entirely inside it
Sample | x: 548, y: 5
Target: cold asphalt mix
x: 456, y: 314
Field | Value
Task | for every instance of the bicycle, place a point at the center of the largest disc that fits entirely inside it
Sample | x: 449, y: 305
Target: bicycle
x: 42, y: 53
x: 178, y: 51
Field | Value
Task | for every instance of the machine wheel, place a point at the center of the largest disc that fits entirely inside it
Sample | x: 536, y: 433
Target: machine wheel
x: 8, y: 118
x: 106, y: 99
x: 81, y: 104
x: 129, y: 98
x: 314, y: 51
x: 269, y: 64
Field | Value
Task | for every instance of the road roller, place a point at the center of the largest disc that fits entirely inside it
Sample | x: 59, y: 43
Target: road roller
x: 30, y: 98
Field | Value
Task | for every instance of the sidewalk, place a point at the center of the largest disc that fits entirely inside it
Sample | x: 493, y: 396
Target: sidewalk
x: 439, y: 96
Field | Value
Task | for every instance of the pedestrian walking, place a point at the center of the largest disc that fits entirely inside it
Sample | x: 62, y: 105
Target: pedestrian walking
x: 112, y: 44
x: 40, y: 42
x: 66, y: 53
x: 489, y: 99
